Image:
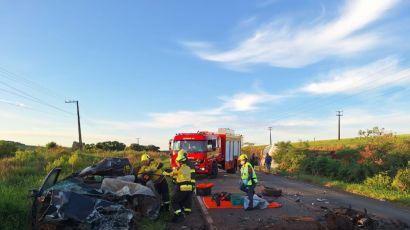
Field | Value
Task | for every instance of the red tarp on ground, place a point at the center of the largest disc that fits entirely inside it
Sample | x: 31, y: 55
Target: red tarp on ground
x: 209, y: 203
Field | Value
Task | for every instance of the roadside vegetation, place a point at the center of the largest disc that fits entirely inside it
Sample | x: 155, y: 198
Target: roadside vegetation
x: 23, y: 168
x: 377, y: 164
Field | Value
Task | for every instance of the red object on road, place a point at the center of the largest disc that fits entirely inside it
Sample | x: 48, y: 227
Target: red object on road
x: 202, y: 186
x: 208, y: 151
x: 204, y: 189
x: 210, y: 204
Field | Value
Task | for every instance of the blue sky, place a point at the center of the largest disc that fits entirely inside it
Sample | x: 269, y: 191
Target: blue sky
x: 150, y: 69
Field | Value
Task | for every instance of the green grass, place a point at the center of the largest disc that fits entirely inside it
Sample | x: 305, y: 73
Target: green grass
x: 348, y: 141
x: 19, y: 175
x: 360, y: 189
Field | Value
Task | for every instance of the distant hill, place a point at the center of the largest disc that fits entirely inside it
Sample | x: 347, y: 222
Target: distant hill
x: 17, y: 144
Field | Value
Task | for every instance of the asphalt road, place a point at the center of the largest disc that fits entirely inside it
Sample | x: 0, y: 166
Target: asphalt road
x: 301, y: 208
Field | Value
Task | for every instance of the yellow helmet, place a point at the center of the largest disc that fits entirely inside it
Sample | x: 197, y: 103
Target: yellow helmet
x: 243, y: 157
x: 145, y: 157
x: 181, y: 155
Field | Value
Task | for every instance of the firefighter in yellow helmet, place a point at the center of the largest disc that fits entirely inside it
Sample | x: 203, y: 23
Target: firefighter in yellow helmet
x: 150, y: 174
x: 248, y: 179
x: 181, y: 201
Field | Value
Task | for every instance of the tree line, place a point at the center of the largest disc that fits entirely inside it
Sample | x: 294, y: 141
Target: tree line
x: 115, y: 146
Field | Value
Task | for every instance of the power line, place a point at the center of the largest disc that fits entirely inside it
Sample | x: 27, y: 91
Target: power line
x: 27, y: 82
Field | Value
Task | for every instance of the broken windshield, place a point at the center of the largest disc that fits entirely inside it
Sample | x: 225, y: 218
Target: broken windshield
x: 191, y: 146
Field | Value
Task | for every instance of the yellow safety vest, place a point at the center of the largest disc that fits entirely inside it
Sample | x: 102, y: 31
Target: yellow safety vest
x: 245, y: 174
x: 151, y: 168
x: 183, y: 178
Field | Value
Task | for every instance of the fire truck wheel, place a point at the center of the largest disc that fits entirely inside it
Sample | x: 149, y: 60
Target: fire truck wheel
x: 214, y: 171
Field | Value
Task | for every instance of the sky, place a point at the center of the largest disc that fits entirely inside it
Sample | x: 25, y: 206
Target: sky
x: 150, y: 69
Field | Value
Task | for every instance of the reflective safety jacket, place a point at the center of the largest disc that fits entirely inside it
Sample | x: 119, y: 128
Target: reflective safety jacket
x: 248, y: 174
x: 153, y: 170
x: 183, y: 177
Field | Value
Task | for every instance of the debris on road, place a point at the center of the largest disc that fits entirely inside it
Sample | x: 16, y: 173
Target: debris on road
x: 221, y: 196
x: 271, y: 191
x: 321, y: 200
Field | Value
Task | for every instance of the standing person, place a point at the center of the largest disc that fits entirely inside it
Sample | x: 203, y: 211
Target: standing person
x: 268, y: 162
x: 181, y: 201
x: 248, y: 179
x: 252, y: 161
x: 151, y: 174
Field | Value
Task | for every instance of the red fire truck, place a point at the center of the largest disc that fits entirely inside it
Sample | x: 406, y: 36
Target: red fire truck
x: 208, y: 151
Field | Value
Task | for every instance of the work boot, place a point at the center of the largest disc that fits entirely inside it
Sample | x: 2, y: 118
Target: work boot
x: 250, y: 207
x: 187, y: 212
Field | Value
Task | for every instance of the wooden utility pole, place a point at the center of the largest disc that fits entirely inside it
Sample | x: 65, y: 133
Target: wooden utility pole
x: 78, y: 121
x: 339, y: 113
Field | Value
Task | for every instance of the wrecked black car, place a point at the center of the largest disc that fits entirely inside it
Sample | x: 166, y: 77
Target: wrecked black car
x: 102, y: 196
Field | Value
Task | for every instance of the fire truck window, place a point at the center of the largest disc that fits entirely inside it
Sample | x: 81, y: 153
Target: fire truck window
x: 190, y: 146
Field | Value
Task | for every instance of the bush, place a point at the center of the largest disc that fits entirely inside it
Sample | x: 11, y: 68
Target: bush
x: 380, y: 180
x: 348, y: 155
x: 353, y: 172
x: 395, y: 159
x: 7, y: 148
x: 110, y: 146
x: 402, y: 180
x: 25, y: 155
x: 60, y: 162
x: 51, y: 145
x: 292, y: 160
x: 74, y: 160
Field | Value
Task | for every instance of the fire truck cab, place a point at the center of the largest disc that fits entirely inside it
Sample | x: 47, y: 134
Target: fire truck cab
x: 208, y: 151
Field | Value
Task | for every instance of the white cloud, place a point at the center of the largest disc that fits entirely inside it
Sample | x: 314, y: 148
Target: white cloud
x: 382, y: 73
x: 18, y: 104
x: 243, y: 102
x: 219, y: 116
x: 282, y: 46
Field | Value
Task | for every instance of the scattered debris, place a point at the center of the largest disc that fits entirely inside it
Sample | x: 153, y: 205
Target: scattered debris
x: 271, y: 191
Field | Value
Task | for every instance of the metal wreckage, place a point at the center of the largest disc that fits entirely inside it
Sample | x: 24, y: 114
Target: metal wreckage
x: 102, y: 196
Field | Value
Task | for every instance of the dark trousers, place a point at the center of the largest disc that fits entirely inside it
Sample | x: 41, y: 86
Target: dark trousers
x: 162, y: 188
x: 250, y: 191
x: 181, y: 200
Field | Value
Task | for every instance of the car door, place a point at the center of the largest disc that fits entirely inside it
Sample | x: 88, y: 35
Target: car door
x: 48, y: 182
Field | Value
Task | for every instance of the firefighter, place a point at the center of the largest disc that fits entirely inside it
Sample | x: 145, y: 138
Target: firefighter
x: 151, y: 174
x: 191, y: 166
x: 182, y: 196
x: 248, y: 179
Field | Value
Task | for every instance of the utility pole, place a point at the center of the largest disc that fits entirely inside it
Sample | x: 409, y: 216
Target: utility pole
x: 339, y: 113
x: 138, y: 140
x: 270, y: 135
x: 78, y: 121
